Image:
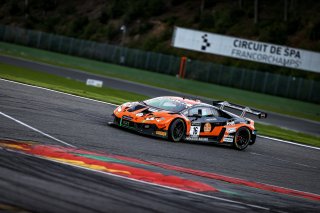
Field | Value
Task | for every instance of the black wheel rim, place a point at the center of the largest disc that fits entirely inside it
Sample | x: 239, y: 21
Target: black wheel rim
x: 178, y: 130
x: 242, y: 138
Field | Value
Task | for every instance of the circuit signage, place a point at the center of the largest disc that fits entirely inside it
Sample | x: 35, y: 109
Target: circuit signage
x: 246, y: 49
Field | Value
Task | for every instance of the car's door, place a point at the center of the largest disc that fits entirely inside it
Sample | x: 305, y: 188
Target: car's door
x: 203, y: 120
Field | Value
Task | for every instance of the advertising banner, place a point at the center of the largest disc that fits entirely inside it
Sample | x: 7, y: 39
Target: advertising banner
x: 246, y: 49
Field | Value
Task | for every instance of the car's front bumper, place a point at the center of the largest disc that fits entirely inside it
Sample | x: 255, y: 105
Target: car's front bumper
x: 144, y: 128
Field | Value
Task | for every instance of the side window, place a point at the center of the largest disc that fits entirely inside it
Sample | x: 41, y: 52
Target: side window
x: 185, y: 112
x: 194, y: 111
x: 215, y: 112
x: 206, y: 111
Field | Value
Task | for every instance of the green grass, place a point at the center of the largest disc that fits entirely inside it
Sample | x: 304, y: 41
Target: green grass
x: 256, y: 100
x: 118, y: 97
x: 66, y: 85
x: 273, y: 131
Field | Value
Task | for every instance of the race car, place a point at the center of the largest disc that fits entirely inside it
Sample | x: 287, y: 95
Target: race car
x: 183, y: 119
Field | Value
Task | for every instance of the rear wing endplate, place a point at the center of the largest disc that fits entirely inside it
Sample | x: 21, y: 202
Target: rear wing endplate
x: 222, y: 104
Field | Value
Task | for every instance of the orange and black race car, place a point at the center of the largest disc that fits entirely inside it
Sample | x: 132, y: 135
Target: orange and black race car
x: 180, y: 119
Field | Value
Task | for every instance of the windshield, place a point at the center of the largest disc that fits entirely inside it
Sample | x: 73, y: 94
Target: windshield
x: 166, y: 103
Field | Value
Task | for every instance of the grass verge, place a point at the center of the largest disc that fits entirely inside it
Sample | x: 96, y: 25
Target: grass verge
x: 257, y: 100
x: 118, y: 97
x: 289, y: 135
x: 66, y: 85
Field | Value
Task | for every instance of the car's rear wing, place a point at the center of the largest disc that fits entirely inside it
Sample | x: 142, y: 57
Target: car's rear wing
x: 222, y: 104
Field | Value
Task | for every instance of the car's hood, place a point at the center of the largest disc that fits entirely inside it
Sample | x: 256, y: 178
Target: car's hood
x: 143, y: 109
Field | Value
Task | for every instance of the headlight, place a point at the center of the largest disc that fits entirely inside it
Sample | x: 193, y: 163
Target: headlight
x: 155, y: 118
x: 119, y: 109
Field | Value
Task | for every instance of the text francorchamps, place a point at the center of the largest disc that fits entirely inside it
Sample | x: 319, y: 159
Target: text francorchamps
x: 266, y: 53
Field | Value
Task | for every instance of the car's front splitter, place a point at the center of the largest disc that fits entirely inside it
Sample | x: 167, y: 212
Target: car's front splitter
x: 143, y: 128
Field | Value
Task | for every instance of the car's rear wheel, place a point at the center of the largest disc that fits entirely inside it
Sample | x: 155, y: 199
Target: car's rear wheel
x: 242, y: 138
x: 177, y: 130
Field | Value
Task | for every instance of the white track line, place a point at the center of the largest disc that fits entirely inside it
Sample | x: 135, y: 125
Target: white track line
x: 76, y: 96
x: 36, y: 130
x: 145, y: 182
x: 289, y: 142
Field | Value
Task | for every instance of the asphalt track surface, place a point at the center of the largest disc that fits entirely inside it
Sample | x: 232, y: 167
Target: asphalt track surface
x: 301, y: 125
x: 34, y: 184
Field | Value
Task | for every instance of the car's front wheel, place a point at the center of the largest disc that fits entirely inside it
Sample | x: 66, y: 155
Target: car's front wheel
x: 177, y: 130
x: 242, y: 138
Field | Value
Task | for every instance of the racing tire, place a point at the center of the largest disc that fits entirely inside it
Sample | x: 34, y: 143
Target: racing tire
x: 241, y: 138
x: 177, y: 130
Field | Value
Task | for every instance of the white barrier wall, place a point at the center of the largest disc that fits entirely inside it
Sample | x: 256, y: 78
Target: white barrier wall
x: 246, y: 49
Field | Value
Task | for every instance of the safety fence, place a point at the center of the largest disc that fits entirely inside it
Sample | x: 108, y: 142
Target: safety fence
x: 253, y: 80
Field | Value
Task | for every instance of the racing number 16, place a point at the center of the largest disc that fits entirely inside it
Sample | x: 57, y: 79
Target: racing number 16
x: 195, y: 130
